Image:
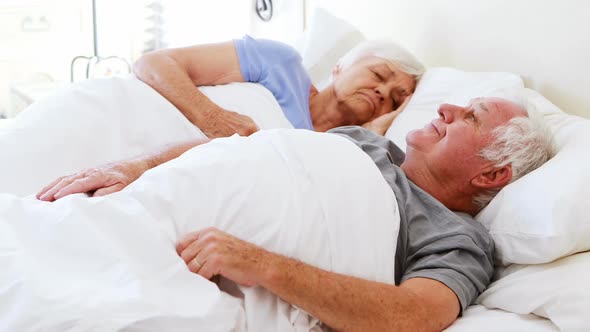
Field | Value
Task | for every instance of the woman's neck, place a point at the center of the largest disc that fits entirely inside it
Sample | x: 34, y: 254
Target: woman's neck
x: 323, y: 109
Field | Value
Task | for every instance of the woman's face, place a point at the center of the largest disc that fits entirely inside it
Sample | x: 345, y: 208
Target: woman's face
x: 369, y: 88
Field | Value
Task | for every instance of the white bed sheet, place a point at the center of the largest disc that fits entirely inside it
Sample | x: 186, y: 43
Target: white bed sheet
x: 481, y: 319
x: 105, y: 274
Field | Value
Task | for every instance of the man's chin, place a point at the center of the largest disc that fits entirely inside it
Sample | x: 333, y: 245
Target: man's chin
x: 418, y: 140
x: 413, y: 136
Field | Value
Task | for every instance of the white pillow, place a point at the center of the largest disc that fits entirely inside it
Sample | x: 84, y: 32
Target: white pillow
x: 557, y: 291
x: 326, y: 39
x: 544, y: 215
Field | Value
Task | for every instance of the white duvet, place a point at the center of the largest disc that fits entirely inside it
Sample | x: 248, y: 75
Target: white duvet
x: 109, y: 263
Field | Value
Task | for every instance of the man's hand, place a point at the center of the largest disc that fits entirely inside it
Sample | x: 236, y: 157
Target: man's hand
x: 223, y: 123
x: 342, y: 302
x: 210, y: 252
x: 380, y: 125
x: 98, y: 181
x: 113, y: 177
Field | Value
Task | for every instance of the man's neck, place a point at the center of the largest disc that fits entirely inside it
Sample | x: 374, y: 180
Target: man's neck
x: 445, y: 191
x: 323, y: 109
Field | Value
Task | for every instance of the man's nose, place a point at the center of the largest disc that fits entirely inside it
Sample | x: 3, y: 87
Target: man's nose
x: 448, y: 112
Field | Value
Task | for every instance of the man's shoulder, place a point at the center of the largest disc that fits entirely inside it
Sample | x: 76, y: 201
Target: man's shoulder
x: 440, y: 244
x: 374, y: 145
x: 434, y: 216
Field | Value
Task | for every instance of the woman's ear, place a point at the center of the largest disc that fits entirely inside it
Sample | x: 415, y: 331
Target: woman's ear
x: 493, y: 177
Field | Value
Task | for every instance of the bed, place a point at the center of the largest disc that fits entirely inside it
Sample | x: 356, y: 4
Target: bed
x: 539, y: 223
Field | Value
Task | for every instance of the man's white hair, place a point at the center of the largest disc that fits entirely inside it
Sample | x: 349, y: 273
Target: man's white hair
x: 388, y: 50
x: 525, y: 143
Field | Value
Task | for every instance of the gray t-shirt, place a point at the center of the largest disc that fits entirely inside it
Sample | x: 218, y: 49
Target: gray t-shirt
x: 434, y: 242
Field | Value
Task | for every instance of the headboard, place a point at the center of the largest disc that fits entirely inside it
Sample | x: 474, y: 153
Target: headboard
x: 545, y: 42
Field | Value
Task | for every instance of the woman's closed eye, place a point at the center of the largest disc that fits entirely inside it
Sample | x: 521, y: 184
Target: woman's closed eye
x: 378, y: 76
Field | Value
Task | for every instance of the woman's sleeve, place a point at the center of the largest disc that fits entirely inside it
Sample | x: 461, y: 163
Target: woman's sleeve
x: 258, y: 56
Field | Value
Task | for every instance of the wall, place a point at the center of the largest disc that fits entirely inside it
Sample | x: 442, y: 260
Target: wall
x: 286, y: 24
x: 545, y: 41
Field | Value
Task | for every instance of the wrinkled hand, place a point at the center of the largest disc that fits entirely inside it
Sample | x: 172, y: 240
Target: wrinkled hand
x: 382, y: 123
x: 223, y: 123
x: 98, y: 181
x: 210, y: 252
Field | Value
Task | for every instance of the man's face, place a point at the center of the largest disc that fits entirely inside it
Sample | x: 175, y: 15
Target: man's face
x: 449, y: 146
x: 369, y: 88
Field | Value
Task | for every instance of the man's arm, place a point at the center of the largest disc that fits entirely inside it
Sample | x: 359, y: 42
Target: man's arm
x: 353, y: 304
x: 112, y: 177
x: 342, y: 302
x: 175, y: 73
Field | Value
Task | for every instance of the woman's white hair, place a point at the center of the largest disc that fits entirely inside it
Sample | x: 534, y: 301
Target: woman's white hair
x: 388, y: 50
x: 525, y: 143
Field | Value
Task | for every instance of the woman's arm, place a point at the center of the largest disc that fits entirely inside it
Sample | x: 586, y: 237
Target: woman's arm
x: 175, y: 74
x: 380, y: 125
x: 112, y: 177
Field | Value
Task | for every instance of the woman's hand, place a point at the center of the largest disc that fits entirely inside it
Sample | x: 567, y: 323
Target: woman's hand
x: 223, y: 123
x: 98, y: 181
x: 380, y: 125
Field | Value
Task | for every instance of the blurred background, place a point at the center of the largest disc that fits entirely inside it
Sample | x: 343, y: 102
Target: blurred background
x: 45, y: 44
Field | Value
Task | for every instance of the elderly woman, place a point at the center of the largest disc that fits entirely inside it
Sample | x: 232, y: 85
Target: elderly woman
x: 371, y: 80
x: 369, y: 83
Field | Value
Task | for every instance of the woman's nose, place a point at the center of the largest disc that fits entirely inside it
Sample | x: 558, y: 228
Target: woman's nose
x: 380, y: 95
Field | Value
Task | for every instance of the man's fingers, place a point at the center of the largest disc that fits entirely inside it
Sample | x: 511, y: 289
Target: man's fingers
x: 49, y: 195
x: 186, y: 241
x: 108, y: 190
x: 81, y: 185
x: 206, y: 270
x: 193, y: 266
x: 49, y: 186
x: 192, y: 250
x: 203, y: 268
x: 200, y: 265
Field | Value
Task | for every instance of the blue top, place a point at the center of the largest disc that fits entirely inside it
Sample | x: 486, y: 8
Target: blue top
x: 277, y: 67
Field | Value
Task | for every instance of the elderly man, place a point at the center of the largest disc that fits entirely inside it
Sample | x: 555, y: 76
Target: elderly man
x: 443, y: 258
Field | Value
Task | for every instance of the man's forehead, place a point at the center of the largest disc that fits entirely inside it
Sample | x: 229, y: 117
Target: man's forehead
x: 483, y: 104
x: 498, y: 108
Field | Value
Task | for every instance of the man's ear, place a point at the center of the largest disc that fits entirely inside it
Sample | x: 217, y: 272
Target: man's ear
x: 493, y: 177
